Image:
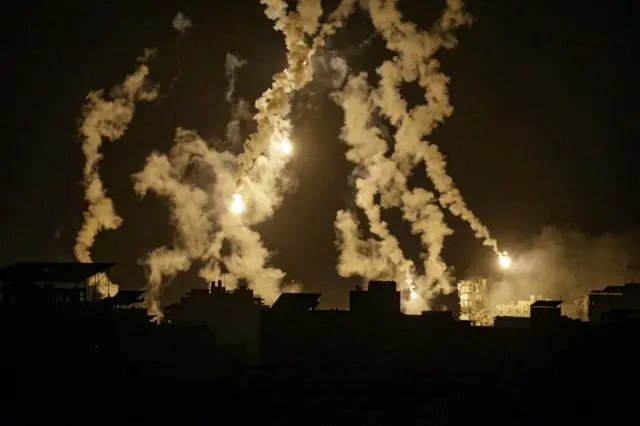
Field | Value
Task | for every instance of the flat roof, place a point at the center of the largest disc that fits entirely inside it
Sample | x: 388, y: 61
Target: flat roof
x: 288, y: 302
x: 53, y: 272
x: 546, y: 303
x: 124, y: 297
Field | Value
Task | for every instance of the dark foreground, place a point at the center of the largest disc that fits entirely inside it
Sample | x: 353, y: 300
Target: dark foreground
x: 600, y: 394
x: 75, y: 372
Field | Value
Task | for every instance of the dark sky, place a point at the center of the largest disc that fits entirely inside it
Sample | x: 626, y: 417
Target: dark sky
x: 543, y: 132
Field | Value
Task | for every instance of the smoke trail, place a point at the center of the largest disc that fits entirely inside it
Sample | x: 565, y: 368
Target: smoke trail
x: 260, y: 175
x: 240, y: 112
x: 426, y: 219
x: 367, y: 151
x: 260, y: 180
x: 201, y: 223
x: 274, y: 106
x: 232, y: 64
x: 105, y: 118
x: 566, y: 264
x: 181, y: 23
x: 382, y: 257
x: 162, y: 262
x: 190, y: 206
x: 415, y: 62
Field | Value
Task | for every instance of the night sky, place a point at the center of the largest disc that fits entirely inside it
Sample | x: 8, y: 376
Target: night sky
x: 543, y: 132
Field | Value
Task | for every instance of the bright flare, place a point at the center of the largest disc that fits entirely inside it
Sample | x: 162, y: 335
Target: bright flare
x: 413, y: 295
x: 283, y: 145
x: 504, y: 260
x: 286, y: 147
x: 237, y: 205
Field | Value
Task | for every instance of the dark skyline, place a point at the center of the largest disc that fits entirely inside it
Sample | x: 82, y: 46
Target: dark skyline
x: 542, y: 134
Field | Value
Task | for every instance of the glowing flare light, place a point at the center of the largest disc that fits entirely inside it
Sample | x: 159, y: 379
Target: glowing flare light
x: 237, y: 205
x: 504, y: 260
x: 413, y: 295
x: 286, y: 147
x: 283, y: 146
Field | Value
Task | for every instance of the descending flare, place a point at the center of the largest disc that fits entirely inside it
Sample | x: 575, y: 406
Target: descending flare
x: 504, y: 260
x: 286, y: 147
x: 237, y: 205
x: 283, y: 146
x: 256, y: 172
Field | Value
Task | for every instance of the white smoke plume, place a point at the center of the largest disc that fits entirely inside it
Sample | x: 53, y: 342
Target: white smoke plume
x: 232, y: 64
x: 181, y: 23
x: 240, y: 109
x: 380, y: 257
x: 274, y: 106
x: 162, y: 262
x: 201, y: 213
x: 566, y: 264
x: 201, y: 223
x: 330, y: 69
x: 415, y: 62
x: 386, y: 174
x: 106, y: 117
x: 190, y: 206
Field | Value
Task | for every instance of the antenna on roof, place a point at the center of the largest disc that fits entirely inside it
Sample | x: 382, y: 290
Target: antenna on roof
x: 223, y: 273
x: 633, y: 270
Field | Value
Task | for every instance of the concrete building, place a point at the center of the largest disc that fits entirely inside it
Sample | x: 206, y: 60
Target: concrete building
x: 48, y: 282
x: 614, y: 303
x: 472, y: 296
x: 380, y: 299
x: 520, y: 308
x: 233, y: 317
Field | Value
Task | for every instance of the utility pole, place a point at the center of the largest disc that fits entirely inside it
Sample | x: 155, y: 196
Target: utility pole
x: 633, y: 270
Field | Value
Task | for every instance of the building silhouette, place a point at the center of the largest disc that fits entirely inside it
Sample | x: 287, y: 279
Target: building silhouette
x: 33, y: 282
x: 293, y: 362
x: 615, y: 303
x: 232, y: 316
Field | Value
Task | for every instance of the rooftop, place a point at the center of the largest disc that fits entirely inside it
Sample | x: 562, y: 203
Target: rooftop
x: 296, y: 302
x: 52, y: 272
x: 546, y: 303
x: 124, y: 297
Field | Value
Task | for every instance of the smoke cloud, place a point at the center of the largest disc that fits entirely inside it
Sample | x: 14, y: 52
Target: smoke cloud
x: 240, y: 109
x: 106, y: 118
x: 387, y: 175
x: 181, y: 23
x: 274, y: 106
x: 329, y: 69
x: 232, y: 64
x: 199, y: 182
x: 200, y: 210
x: 566, y: 265
x: 415, y: 62
x: 379, y: 257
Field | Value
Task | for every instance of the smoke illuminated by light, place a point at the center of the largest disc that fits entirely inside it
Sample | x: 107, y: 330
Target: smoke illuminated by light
x: 237, y: 205
x: 283, y: 146
x: 256, y: 173
x: 413, y: 295
x: 201, y: 211
x: 504, y: 260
